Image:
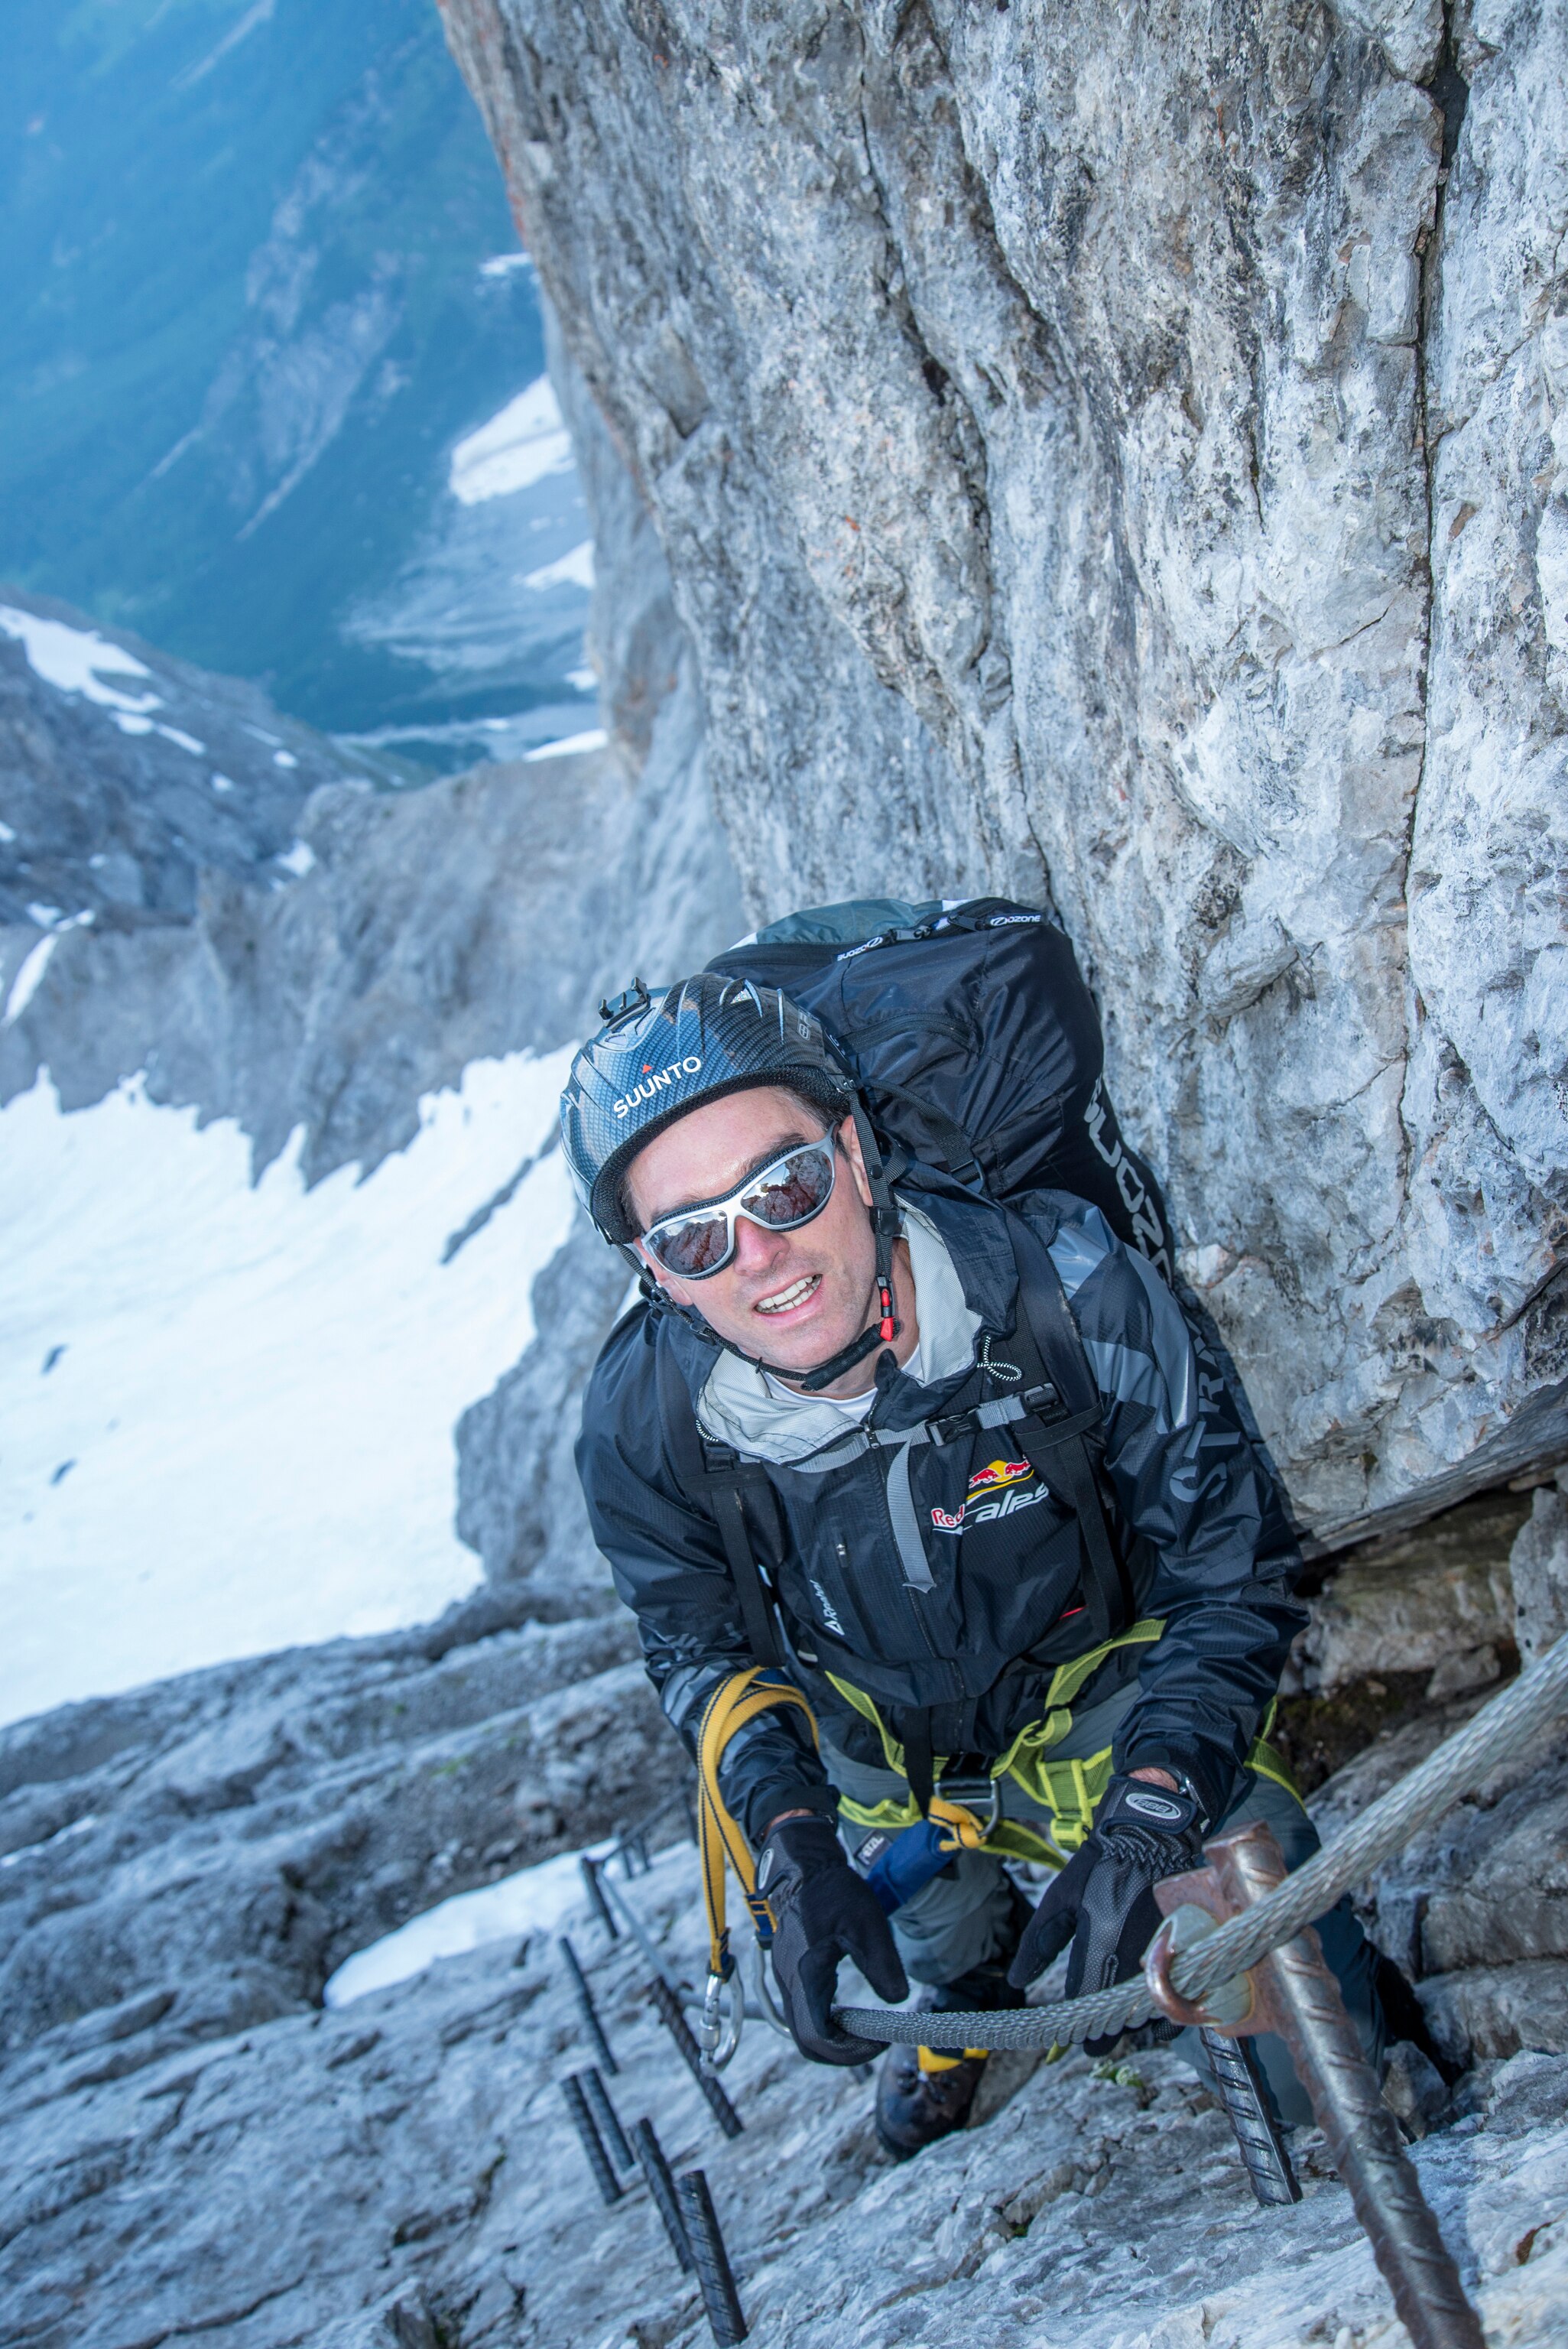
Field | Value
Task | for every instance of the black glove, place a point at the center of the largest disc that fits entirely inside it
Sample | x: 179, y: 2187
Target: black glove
x: 1103, y: 1901
x: 822, y: 1912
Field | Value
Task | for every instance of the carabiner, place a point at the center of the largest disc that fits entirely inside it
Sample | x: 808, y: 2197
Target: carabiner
x: 716, y: 2036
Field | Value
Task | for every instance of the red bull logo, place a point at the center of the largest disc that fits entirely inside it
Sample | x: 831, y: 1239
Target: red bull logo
x: 998, y: 1473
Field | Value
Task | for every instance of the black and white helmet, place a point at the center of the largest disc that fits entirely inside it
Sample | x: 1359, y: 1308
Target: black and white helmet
x: 656, y: 1059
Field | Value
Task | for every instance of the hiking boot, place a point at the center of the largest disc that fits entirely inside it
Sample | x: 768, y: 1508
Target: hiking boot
x: 925, y: 2094
x: 915, y: 2106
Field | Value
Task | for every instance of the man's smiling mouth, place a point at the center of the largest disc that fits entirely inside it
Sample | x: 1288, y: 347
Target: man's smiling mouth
x: 784, y: 1300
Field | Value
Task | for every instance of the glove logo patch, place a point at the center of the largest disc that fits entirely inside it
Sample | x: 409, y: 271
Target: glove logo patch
x: 1151, y: 1805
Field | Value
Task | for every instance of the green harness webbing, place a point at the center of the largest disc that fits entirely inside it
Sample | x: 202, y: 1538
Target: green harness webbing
x: 1070, y: 1790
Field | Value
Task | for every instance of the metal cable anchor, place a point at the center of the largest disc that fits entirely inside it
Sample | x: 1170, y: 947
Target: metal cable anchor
x: 1292, y: 1992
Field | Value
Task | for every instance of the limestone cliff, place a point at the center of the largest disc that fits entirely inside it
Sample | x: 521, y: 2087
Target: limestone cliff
x: 1115, y: 454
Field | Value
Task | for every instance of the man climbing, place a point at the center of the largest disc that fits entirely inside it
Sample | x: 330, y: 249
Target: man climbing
x: 969, y: 1478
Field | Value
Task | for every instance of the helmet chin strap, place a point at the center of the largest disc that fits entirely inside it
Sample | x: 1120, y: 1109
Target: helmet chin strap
x: 883, y: 1329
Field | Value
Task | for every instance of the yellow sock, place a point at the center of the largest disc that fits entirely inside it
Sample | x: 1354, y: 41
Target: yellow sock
x: 939, y: 2059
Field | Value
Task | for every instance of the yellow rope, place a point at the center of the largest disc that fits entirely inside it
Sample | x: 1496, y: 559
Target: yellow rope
x: 735, y: 1702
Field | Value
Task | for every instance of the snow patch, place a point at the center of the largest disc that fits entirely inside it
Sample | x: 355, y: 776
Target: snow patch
x: 594, y: 739
x: 186, y: 741
x: 583, y: 679
x: 224, y: 783
x: 6, y: 834
x: 70, y: 659
x: 537, y: 1899
x: 284, y: 759
x: 261, y: 1383
x: 260, y: 15
x: 526, y: 440
x: 50, y: 1843
x: 25, y: 986
x: 501, y: 264
x: 300, y: 860
x: 573, y: 570
x: 129, y: 725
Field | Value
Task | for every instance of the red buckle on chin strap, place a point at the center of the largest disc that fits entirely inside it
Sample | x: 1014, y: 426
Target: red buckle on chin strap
x: 885, y: 1295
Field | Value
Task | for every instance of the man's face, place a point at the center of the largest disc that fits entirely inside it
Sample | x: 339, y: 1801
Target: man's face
x: 791, y: 1297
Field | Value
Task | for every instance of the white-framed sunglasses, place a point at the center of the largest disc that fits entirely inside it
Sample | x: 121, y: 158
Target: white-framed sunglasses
x: 696, y: 1242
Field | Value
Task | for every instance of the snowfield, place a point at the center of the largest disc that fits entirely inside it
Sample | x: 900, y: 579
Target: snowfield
x: 573, y: 570
x: 537, y: 1899
x: 518, y: 447
x: 226, y: 1412
x: 76, y: 660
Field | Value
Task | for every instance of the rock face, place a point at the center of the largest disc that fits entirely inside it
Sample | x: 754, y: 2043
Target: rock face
x: 1118, y: 455
x: 127, y: 774
x: 232, y: 1835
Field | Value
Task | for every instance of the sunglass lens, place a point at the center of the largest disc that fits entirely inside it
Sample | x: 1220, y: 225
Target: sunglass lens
x: 794, y: 1191
x: 693, y: 1248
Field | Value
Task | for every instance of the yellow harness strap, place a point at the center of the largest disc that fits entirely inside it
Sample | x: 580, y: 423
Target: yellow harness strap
x: 735, y: 1702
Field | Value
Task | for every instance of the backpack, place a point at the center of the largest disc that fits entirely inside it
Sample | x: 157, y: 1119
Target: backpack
x: 975, y: 1043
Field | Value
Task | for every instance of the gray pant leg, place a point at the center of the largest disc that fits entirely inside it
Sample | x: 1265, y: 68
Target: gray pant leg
x: 956, y: 1921
x: 1346, y: 1946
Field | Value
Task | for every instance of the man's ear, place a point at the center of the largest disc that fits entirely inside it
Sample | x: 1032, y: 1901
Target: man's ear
x: 849, y: 1142
x: 657, y: 1273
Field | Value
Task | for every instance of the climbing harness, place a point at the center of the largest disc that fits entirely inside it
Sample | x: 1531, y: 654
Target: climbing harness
x: 949, y: 1826
x: 1070, y: 1790
x: 1457, y: 1767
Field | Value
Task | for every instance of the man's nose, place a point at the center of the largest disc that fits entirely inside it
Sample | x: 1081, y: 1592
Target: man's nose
x: 756, y: 1250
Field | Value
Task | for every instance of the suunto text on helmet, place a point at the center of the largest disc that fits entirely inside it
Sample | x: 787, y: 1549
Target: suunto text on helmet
x: 689, y: 1066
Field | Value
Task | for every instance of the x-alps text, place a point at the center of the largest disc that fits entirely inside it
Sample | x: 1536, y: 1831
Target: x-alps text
x: 948, y: 1521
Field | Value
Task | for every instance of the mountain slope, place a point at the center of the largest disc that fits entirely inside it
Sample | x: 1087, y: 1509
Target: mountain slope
x: 260, y: 282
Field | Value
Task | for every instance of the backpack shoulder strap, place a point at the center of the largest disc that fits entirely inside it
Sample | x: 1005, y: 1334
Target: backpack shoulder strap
x: 1068, y: 1425
x: 717, y: 1481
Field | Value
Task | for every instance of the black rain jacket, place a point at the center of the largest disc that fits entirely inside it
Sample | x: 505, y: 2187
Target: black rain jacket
x: 1190, y: 1501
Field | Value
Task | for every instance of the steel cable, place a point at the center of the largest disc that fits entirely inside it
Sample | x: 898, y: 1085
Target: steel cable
x: 1500, y: 1731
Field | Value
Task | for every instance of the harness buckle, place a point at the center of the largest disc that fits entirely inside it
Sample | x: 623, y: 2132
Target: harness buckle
x: 973, y: 1790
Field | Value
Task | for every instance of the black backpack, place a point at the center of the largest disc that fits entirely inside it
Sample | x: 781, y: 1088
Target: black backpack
x: 975, y: 1043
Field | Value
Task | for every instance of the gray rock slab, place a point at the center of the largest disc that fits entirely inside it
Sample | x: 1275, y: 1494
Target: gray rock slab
x: 113, y: 806
x: 1538, y: 1570
x: 1424, y: 1601
x: 1116, y: 458
x: 1497, y: 2011
x: 404, y: 2171
x: 224, y: 1840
